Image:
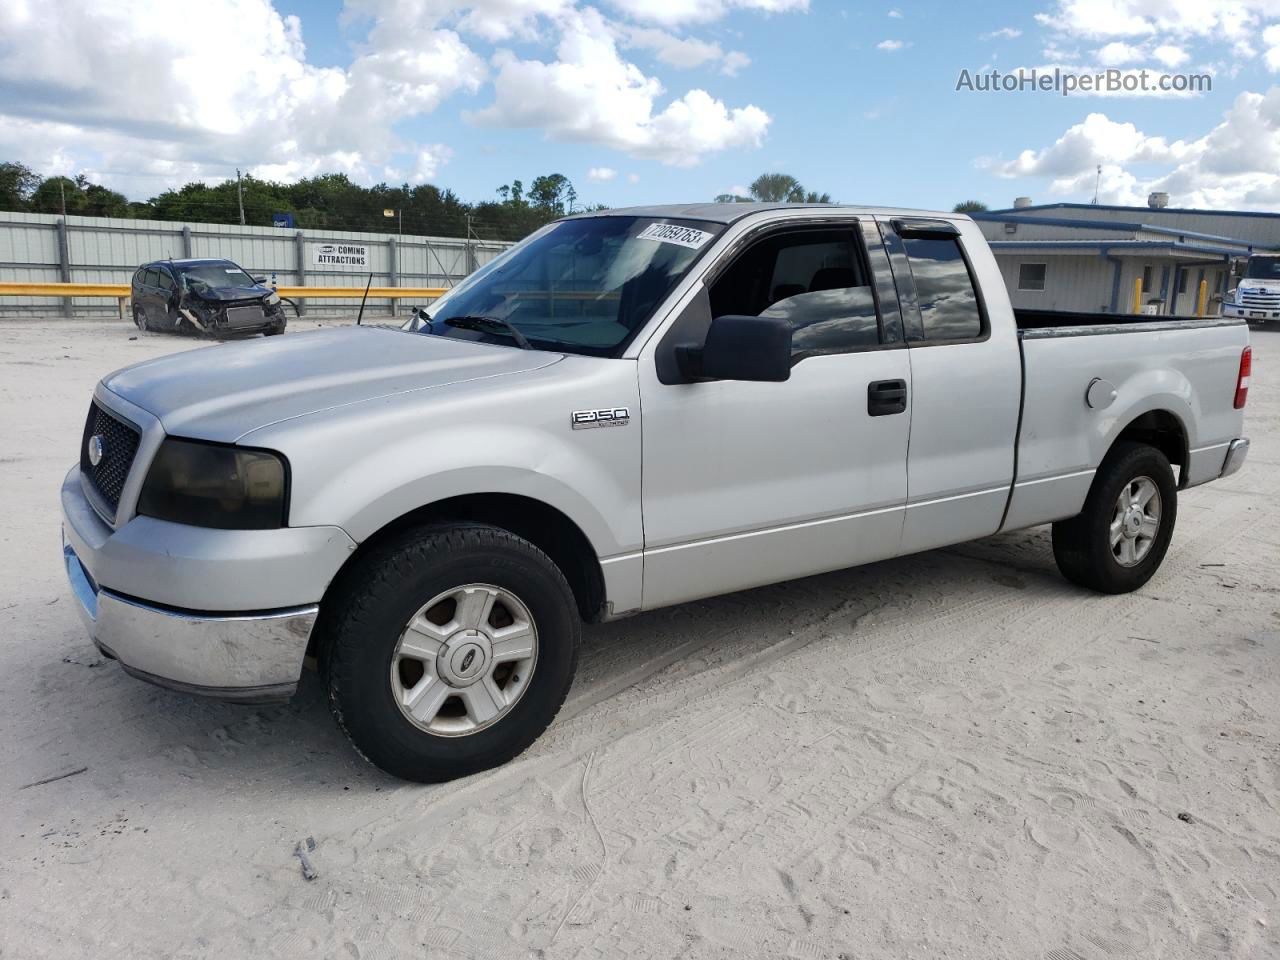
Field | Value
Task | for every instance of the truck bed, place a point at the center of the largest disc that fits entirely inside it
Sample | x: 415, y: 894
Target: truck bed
x: 1176, y: 364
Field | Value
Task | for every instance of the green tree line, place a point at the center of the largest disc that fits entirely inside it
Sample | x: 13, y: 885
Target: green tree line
x: 329, y: 201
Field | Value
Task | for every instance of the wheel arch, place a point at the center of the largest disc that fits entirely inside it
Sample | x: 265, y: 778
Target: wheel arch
x: 1162, y: 429
x: 546, y: 527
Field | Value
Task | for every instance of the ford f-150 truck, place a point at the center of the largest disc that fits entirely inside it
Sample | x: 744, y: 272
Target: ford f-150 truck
x: 1257, y: 295
x: 627, y: 410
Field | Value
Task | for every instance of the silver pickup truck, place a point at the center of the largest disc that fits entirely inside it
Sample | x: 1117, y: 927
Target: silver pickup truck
x: 627, y: 410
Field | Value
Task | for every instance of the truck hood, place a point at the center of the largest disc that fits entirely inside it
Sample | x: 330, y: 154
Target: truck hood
x: 222, y: 392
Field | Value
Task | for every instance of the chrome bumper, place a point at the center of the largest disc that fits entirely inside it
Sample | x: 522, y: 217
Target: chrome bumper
x: 252, y: 657
x: 1236, y: 453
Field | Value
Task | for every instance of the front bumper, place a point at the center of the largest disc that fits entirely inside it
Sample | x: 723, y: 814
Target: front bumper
x: 1250, y: 313
x: 226, y: 613
x: 250, y: 658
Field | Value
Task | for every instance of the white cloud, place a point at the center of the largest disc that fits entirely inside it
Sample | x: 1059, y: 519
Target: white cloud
x: 1118, y: 52
x: 1135, y: 18
x: 601, y: 174
x: 890, y: 45
x: 735, y: 61
x: 684, y: 53
x: 633, y: 178
x: 1170, y: 55
x: 1236, y: 164
x: 124, y: 93
x: 1004, y: 33
x: 896, y: 14
x: 589, y: 94
x: 119, y: 88
x: 674, y: 12
x: 1271, y: 37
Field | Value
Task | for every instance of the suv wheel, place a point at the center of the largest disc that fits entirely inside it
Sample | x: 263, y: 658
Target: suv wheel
x: 449, y: 650
x: 140, y: 318
x: 1119, y: 540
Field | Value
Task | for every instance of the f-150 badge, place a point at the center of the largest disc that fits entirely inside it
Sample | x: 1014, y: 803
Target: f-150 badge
x: 608, y: 417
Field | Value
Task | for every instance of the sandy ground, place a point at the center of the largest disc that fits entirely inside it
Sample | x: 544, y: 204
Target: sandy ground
x: 951, y: 755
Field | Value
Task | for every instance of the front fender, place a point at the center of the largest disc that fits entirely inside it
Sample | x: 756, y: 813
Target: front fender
x: 367, y: 464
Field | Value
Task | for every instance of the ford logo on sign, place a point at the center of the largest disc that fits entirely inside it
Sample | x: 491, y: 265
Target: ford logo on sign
x: 95, y: 449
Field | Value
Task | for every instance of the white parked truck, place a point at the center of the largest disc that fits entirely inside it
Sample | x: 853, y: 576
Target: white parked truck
x: 629, y: 409
x: 1257, y: 294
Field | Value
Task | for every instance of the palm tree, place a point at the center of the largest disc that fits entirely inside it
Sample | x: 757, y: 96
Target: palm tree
x: 776, y: 188
x: 969, y: 206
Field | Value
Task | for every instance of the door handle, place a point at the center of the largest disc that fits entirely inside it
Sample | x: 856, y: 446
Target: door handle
x: 886, y: 397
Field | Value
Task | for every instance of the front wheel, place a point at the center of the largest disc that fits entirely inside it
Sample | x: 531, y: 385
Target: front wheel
x: 140, y: 318
x: 1119, y: 540
x: 449, y: 650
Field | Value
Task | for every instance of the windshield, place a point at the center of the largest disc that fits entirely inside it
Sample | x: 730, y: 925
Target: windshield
x: 1263, y: 268
x: 219, y: 273
x: 579, y: 286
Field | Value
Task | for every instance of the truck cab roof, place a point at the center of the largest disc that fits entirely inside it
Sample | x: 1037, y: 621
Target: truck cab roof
x: 732, y: 212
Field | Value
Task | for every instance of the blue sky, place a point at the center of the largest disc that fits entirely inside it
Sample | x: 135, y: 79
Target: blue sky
x: 670, y: 100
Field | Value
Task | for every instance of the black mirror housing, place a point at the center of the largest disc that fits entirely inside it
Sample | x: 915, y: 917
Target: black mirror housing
x: 747, y: 348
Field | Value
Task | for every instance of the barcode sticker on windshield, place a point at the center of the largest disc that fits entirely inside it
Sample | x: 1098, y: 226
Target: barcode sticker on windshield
x: 672, y: 233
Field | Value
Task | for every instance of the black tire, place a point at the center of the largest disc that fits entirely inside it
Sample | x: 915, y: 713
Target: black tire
x: 1082, y: 545
x: 140, y: 318
x: 274, y: 330
x: 373, y: 605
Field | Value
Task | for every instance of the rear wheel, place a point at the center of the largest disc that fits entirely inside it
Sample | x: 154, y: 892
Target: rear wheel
x: 1119, y: 540
x: 450, y: 650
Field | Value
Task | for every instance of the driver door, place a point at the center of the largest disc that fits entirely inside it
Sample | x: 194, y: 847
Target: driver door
x: 748, y: 483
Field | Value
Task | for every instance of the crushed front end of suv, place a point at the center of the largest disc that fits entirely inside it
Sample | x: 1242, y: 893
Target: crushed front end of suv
x: 212, y: 297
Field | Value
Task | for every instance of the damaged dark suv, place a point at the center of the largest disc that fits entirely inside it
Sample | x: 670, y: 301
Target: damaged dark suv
x: 212, y: 297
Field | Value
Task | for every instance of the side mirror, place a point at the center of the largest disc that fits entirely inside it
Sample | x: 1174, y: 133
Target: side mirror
x: 260, y: 280
x: 741, y: 348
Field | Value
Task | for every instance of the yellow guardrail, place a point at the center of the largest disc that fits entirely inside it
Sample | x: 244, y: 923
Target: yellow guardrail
x: 120, y: 292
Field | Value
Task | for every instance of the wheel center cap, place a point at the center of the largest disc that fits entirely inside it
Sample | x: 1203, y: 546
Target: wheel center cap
x: 464, y: 659
x: 1132, y: 523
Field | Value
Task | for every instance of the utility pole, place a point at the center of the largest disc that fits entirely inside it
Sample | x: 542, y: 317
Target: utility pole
x: 1096, y: 184
x: 62, y: 192
x: 240, y: 196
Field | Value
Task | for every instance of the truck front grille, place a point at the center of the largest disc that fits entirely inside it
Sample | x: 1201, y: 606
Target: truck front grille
x: 248, y: 316
x: 119, y: 447
x: 1256, y: 298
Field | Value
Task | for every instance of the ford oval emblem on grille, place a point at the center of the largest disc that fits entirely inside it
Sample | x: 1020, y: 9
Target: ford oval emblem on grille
x: 95, y: 449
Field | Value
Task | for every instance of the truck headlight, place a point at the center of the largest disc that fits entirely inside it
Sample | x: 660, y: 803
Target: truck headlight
x: 215, y: 485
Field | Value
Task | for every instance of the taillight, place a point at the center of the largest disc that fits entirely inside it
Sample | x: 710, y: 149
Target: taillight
x: 1242, y: 381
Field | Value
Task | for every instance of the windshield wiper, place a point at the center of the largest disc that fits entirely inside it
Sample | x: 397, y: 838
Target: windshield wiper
x: 491, y: 325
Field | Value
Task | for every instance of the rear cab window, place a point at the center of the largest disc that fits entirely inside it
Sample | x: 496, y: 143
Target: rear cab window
x: 931, y: 259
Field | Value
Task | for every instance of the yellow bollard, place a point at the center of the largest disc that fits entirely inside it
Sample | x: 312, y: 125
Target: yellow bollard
x: 1200, y: 302
x: 1137, y: 295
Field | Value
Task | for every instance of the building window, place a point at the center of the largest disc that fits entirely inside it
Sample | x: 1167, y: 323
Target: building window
x: 1146, y: 279
x: 1031, y: 276
x: 1182, y: 280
